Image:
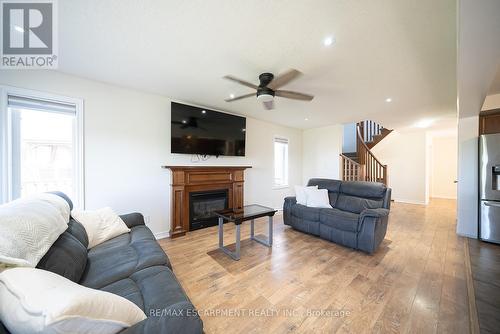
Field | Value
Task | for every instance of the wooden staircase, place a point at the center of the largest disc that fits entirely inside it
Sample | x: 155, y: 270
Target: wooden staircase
x: 362, y: 165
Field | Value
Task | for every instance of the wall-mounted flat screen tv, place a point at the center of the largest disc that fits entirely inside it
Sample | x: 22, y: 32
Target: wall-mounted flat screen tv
x: 206, y: 132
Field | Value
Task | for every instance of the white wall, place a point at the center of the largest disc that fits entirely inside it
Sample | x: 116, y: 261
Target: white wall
x: 468, y: 131
x: 127, y: 140
x: 320, y: 154
x: 443, y: 166
x: 406, y: 155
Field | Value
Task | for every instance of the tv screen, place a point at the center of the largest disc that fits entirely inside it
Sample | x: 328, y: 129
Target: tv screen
x: 202, y: 131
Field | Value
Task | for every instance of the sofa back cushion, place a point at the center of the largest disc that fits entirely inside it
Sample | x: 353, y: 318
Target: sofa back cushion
x: 66, y: 257
x: 77, y: 230
x: 355, y: 196
x: 333, y: 187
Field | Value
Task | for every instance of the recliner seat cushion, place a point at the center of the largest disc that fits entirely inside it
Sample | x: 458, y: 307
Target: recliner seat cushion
x: 121, y: 257
x: 341, y: 220
x: 158, y: 293
x: 304, y: 212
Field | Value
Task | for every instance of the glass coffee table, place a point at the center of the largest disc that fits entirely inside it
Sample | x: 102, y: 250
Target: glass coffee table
x: 249, y: 212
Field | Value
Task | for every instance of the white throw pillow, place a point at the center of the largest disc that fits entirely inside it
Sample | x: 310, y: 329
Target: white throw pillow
x: 39, y: 301
x: 28, y: 228
x: 318, y: 198
x: 100, y: 225
x: 300, y: 194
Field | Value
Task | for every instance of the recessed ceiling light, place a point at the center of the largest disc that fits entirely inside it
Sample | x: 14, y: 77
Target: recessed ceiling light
x: 329, y: 40
x: 306, y: 119
x: 18, y: 28
x: 424, y: 123
x: 388, y: 99
x: 203, y: 111
x: 231, y: 96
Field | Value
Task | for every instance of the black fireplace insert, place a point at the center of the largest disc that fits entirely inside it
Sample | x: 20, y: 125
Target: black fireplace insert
x: 202, y: 204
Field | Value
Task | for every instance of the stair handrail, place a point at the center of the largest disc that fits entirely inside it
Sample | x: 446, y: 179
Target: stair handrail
x: 380, y: 170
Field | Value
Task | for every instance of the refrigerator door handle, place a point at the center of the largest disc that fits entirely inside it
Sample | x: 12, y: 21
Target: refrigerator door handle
x: 495, y: 204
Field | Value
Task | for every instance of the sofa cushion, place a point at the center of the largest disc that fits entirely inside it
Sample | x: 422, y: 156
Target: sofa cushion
x: 373, y: 190
x: 78, y: 231
x: 356, y: 196
x: 333, y: 187
x: 304, y: 212
x: 158, y: 293
x: 66, y: 257
x: 341, y: 220
x: 357, y: 204
x: 122, y: 256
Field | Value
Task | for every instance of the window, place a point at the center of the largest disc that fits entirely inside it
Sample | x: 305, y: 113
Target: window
x: 41, y: 147
x: 280, y: 162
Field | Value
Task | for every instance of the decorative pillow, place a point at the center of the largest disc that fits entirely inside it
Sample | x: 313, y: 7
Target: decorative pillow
x: 38, y: 301
x: 318, y: 198
x: 101, y: 225
x: 300, y: 194
x: 29, y: 227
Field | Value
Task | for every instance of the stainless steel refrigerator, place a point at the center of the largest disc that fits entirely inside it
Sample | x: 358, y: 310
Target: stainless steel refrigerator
x: 489, y: 187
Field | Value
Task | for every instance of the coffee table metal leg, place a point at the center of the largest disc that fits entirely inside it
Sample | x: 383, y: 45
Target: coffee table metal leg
x: 252, y: 229
x: 236, y: 254
x: 269, y: 241
x: 221, y: 232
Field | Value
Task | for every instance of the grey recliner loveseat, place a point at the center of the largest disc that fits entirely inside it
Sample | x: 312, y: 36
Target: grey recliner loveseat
x: 358, y: 219
x: 131, y: 265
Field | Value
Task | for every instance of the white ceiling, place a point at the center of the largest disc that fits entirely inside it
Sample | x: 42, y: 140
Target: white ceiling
x: 405, y: 50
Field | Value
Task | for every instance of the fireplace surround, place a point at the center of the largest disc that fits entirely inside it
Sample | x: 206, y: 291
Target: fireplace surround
x: 198, y: 179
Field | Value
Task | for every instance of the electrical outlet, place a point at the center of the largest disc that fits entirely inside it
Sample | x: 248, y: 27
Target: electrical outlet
x: 147, y: 219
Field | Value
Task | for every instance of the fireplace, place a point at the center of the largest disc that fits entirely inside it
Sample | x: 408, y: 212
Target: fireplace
x: 187, y: 180
x: 202, y: 204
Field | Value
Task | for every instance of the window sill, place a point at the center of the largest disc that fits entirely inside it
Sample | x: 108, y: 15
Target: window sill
x: 276, y: 187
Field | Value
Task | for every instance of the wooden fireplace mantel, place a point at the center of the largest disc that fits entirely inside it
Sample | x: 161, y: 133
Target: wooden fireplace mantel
x: 186, y: 179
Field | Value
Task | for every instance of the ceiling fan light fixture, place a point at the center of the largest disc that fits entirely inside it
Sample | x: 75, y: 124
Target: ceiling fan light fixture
x: 265, y: 97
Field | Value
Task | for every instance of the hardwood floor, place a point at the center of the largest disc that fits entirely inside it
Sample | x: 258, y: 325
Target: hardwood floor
x: 415, y: 283
x: 485, y: 266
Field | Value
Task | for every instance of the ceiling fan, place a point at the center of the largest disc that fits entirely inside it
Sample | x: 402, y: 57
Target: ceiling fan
x: 268, y: 88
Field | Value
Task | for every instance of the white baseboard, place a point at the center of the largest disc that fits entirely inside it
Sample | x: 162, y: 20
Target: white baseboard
x: 443, y: 197
x: 409, y: 201
x: 467, y: 235
x: 162, y: 235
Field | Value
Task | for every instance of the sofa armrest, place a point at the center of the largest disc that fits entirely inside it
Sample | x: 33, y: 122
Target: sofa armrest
x: 372, y: 228
x: 375, y: 213
x: 133, y: 219
x: 287, y: 209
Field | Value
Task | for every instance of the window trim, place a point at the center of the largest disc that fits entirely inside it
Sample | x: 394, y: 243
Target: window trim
x: 6, y: 189
x: 287, y: 168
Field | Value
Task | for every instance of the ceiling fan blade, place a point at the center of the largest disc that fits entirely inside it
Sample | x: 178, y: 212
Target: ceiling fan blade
x: 284, y: 78
x: 240, y: 97
x: 268, y: 105
x: 294, y: 95
x: 241, y: 82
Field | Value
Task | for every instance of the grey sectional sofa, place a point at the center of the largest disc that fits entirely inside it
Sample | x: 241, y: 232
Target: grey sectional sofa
x: 358, y: 219
x: 133, y: 266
